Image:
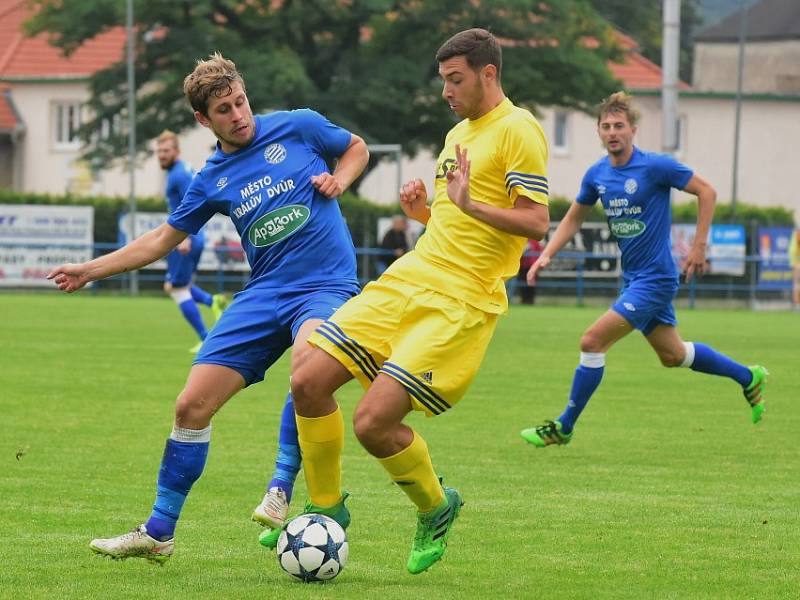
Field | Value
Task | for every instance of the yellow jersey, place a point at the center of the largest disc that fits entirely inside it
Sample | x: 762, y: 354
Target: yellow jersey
x: 458, y: 255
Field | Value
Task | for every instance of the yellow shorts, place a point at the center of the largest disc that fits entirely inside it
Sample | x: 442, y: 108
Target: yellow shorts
x: 431, y: 343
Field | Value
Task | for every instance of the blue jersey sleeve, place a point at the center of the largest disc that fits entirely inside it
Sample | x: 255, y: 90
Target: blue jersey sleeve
x: 325, y: 138
x: 670, y: 172
x: 194, y: 211
x: 588, y: 192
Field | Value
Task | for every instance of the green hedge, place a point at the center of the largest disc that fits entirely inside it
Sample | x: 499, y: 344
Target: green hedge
x: 362, y: 216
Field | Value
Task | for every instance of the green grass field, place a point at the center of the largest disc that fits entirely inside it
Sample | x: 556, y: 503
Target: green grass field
x: 667, y: 490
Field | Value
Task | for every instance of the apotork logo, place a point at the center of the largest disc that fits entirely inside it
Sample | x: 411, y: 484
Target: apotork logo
x: 278, y: 224
x: 627, y: 228
x: 274, y: 154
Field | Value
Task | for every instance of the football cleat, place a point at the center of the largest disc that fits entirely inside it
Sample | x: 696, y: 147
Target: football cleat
x: 433, y: 530
x: 196, y: 348
x: 219, y: 302
x: 273, y: 509
x: 547, y: 434
x: 753, y: 393
x: 134, y: 544
x: 338, y: 512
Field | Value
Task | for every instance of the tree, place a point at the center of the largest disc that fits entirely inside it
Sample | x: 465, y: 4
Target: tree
x: 366, y: 64
x: 643, y: 21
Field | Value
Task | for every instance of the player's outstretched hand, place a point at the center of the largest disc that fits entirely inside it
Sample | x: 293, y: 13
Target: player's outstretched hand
x: 458, y: 181
x: 327, y: 185
x: 695, y: 262
x: 69, y: 277
x: 414, y: 200
x: 540, y: 263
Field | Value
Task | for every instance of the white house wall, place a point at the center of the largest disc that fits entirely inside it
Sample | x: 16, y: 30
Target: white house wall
x: 46, y: 169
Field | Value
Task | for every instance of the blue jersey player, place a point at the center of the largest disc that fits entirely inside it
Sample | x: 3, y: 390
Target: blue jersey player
x: 270, y: 175
x: 634, y: 189
x: 182, y: 262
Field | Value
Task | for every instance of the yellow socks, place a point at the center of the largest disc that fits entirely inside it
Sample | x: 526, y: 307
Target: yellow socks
x: 412, y: 470
x: 321, y: 442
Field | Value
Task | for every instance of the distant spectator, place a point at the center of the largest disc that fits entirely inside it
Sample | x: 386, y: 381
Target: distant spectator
x: 527, y: 292
x: 395, y: 241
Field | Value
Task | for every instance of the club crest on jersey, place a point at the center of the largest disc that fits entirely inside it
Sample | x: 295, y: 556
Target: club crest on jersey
x: 222, y: 182
x: 631, y: 186
x: 278, y: 224
x: 275, y: 153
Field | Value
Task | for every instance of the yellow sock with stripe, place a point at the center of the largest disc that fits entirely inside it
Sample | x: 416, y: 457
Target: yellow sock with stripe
x: 411, y: 469
x: 321, y: 441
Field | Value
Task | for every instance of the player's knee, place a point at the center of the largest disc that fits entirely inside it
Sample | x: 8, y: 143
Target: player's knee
x: 304, y: 387
x: 193, y: 412
x: 591, y: 343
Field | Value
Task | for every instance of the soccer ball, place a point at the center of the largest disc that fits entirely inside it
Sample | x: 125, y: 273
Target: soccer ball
x: 312, y: 547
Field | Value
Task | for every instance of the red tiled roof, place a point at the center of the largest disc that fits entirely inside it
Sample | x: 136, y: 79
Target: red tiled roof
x: 635, y: 71
x: 23, y: 58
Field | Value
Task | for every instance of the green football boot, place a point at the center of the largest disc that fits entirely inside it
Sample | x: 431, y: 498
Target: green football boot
x: 545, y: 435
x: 433, y: 529
x: 219, y: 302
x: 753, y: 393
x: 338, y: 512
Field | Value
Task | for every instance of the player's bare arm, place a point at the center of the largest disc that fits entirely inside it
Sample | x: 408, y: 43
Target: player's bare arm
x: 706, y: 199
x: 527, y: 218
x: 349, y: 166
x: 144, y: 250
x: 567, y: 228
x: 414, y: 201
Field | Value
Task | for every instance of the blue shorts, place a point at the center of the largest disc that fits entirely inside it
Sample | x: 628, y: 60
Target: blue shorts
x: 181, y: 267
x: 647, y: 302
x: 261, y: 324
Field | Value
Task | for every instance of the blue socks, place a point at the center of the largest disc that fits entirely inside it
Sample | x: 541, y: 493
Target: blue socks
x: 201, y: 296
x: 182, y: 464
x: 705, y: 359
x: 585, y: 381
x: 192, y: 315
x: 287, y: 463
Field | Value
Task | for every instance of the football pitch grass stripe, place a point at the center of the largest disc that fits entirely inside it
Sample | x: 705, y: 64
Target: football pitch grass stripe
x: 666, y: 491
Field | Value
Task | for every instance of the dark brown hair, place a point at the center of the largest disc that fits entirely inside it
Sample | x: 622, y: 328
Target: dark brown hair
x: 478, y: 46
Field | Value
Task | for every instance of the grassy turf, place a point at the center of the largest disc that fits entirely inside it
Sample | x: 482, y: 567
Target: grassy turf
x: 667, y: 490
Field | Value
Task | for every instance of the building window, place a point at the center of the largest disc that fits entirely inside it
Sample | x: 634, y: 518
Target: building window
x: 560, y: 131
x: 66, y: 122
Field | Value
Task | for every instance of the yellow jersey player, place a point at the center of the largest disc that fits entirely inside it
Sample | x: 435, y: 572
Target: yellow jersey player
x: 416, y: 337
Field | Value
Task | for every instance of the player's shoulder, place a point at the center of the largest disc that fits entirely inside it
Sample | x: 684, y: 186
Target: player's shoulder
x: 599, y: 165
x: 520, y: 124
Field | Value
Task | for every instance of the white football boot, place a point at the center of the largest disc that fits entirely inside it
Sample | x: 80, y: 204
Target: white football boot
x: 136, y: 543
x: 273, y: 509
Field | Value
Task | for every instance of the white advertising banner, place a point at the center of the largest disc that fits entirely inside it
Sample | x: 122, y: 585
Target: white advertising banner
x: 34, y: 238
x: 223, y: 247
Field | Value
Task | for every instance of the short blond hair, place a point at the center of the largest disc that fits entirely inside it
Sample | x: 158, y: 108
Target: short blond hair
x: 168, y: 136
x: 214, y: 76
x: 619, y: 102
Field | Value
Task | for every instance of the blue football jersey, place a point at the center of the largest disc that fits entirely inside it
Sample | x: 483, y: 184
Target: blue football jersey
x: 636, y: 201
x: 179, y: 176
x: 293, y: 236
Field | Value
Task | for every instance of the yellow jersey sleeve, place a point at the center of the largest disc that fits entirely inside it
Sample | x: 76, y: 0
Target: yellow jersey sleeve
x: 524, y: 150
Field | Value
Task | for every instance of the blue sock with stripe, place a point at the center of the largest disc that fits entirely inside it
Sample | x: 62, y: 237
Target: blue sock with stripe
x: 182, y: 464
x: 201, y: 296
x: 192, y: 315
x: 704, y: 359
x: 585, y: 381
x: 287, y: 463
